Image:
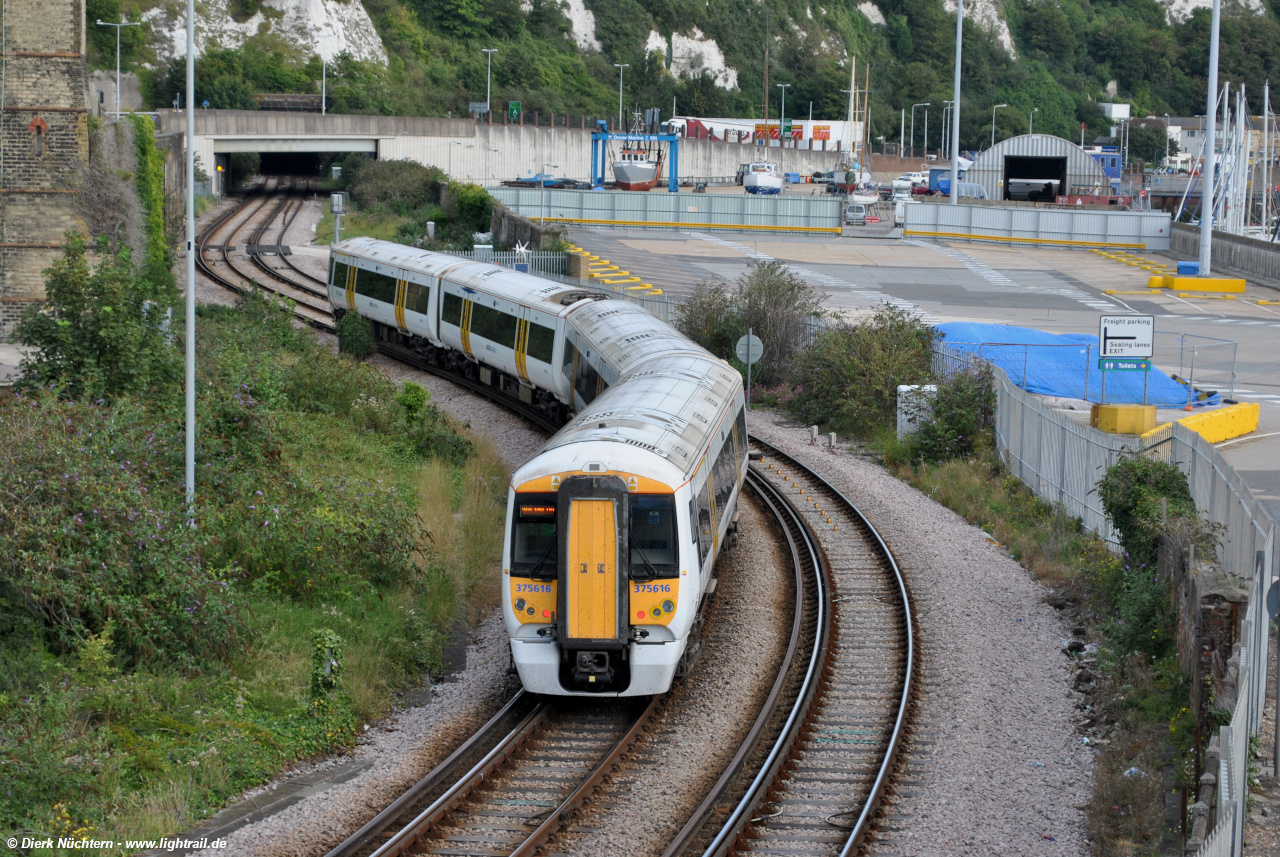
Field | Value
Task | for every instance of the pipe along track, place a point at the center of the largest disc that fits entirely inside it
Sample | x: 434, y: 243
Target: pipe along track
x: 818, y: 759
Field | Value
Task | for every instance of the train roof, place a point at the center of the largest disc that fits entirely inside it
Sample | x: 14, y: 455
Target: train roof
x: 503, y: 282
x: 626, y: 335
x: 668, y: 407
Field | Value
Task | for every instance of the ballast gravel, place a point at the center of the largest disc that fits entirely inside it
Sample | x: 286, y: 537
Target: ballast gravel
x: 668, y: 772
x: 1005, y: 772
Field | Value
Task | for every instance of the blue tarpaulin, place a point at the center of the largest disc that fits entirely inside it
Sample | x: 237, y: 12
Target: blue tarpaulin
x: 1065, y: 365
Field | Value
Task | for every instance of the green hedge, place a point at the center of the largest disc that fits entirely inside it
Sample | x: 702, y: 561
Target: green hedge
x: 157, y: 266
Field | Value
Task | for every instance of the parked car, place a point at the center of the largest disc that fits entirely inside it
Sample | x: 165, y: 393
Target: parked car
x: 907, y: 181
x: 855, y: 214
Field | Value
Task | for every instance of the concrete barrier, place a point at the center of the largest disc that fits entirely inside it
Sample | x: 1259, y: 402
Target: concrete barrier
x: 1050, y: 227
x: 741, y: 212
x: 1224, y: 423
x: 1247, y: 255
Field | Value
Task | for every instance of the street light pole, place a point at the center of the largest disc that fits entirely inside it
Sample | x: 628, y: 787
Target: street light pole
x: 993, y: 122
x: 1031, y: 126
x: 955, y: 112
x: 620, y: 66
x: 782, y: 120
x: 102, y: 23
x: 190, y: 424
x: 488, y: 77
x: 324, y: 78
x: 1210, y: 146
x: 1166, y: 139
x: 913, y: 127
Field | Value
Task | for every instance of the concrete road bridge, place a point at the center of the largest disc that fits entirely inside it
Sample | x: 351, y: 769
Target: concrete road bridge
x: 465, y: 149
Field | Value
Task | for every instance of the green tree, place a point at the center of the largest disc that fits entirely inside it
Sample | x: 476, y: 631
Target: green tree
x: 100, y: 331
x: 1147, y: 140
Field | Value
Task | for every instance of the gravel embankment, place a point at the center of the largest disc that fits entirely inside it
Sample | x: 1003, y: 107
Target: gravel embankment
x: 1006, y: 770
x: 670, y: 769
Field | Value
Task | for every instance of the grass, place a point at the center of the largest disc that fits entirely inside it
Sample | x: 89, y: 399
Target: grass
x: 118, y: 749
x: 358, y: 224
x: 1140, y: 704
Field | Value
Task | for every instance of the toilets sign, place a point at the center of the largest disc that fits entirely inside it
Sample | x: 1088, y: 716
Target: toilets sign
x: 1126, y: 335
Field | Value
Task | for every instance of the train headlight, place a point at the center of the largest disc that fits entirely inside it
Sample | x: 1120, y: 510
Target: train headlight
x: 668, y: 606
x: 519, y: 604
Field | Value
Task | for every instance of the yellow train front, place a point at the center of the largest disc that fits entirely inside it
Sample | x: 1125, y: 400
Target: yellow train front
x: 614, y: 527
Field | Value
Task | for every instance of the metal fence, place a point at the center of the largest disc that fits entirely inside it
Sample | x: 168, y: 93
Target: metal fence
x: 540, y: 262
x: 776, y: 213
x: 660, y: 306
x: 1061, y: 460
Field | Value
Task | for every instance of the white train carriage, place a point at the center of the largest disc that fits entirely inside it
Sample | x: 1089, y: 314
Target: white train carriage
x: 614, y: 527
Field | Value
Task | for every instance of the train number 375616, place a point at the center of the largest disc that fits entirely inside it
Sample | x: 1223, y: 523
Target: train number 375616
x: 653, y: 587
x: 533, y: 587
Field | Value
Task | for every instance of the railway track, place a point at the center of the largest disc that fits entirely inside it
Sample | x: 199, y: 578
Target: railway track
x: 820, y: 754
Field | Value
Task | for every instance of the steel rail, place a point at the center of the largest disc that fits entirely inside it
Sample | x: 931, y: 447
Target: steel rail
x: 886, y: 768
x: 424, y: 824
x: 769, y: 710
x: 360, y: 840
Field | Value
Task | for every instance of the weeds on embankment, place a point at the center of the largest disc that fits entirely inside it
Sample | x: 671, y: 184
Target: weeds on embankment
x: 154, y: 663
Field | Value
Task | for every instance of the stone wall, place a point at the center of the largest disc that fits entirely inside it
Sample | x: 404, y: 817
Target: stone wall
x: 44, y: 141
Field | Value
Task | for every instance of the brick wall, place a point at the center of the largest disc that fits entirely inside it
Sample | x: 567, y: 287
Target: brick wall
x: 44, y: 140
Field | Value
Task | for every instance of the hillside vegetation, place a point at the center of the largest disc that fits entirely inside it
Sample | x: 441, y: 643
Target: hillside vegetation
x: 1067, y: 52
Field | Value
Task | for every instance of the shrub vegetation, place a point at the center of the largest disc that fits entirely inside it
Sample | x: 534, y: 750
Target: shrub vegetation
x: 156, y: 660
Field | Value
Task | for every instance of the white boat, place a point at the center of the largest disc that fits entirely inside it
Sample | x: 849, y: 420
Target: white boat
x: 762, y: 178
x: 865, y: 198
x: 639, y: 167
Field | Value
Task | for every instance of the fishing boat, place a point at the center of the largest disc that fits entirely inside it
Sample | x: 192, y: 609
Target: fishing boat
x: 639, y: 165
x: 763, y: 178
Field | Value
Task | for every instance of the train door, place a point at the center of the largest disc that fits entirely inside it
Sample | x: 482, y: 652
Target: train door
x: 400, y: 295
x: 593, y: 595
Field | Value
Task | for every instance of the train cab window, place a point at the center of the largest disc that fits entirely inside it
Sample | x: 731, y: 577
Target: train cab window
x: 533, y: 541
x: 339, y: 279
x: 541, y: 341
x: 494, y: 325
x: 451, y: 310
x: 380, y: 287
x: 417, y: 298
x: 654, y: 552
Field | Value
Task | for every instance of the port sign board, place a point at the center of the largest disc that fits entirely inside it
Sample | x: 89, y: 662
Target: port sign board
x: 1128, y: 336
x: 1115, y: 364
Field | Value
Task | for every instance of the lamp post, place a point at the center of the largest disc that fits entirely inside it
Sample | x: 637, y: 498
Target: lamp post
x: 189, y: 431
x: 324, y: 77
x: 102, y: 23
x: 488, y: 76
x: 947, y: 107
x: 955, y: 114
x: 620, y: 66
x: 1166, y: 139
x: 1031, y: 125
x: 782, y: 119
x: 1210, y: 146
x: 913, y: 127
x: 542, y: 176
x: 993, y: 122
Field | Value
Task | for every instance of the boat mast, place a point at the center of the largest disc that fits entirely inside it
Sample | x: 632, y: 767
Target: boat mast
x: 866, y: 123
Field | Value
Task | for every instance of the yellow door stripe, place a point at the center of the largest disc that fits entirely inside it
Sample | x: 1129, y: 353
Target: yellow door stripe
x: 351, y: 288
x: 466, y: 328
x: 401, y: 289
x: 522, y: 345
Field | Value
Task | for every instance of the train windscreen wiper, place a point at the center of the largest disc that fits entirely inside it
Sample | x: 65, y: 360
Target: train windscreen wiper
x: 653, y: 572
x: 533, y: 572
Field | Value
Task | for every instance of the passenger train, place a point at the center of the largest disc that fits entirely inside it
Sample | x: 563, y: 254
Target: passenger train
x: 614, y: 526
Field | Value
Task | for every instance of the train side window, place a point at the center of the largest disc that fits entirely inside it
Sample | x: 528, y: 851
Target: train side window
x: 417, y: 298
x: 451, y: 310
x: 493, y: 325
x: 653, y: 535
x: 704, y: 523
x: 541, y: 341
x: 380, y: 287
x: 587, y: 381
x: 533, y: 539
x: 339, y: 280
